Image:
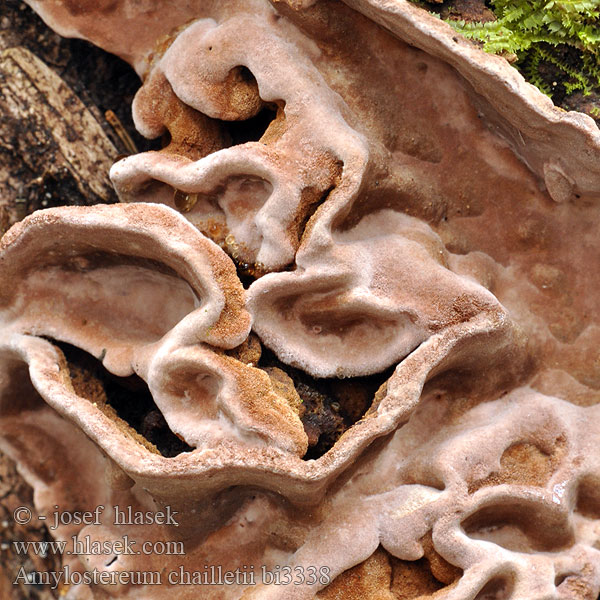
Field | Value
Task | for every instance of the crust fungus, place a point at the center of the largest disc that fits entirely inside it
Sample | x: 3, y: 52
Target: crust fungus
x: 343, y: 322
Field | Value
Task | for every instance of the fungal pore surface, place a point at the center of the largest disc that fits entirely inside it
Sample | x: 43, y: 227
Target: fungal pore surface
x: 343, y: 325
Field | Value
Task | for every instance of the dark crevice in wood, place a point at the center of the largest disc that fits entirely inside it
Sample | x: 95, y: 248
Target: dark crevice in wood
x: 128, y: 396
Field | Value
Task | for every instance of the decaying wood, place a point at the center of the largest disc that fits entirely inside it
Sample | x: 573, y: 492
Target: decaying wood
x: 46, y: 127
x: 14, y: 493
x: 4, y: 219
x: 34, y: 173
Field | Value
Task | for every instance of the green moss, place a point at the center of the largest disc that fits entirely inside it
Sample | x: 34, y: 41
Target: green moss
x: 561, y: 37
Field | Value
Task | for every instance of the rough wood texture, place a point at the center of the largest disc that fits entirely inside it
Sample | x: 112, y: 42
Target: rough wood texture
x: 83, y: 70
x: 420, y: 226
x: 51, y: 131
x: 14, y: 492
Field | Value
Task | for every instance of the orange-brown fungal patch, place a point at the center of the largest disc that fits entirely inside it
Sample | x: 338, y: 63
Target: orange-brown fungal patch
x: 350, y: 303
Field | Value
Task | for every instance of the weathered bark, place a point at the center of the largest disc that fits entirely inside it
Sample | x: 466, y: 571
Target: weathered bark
x: 46, y: 128
x: 14, y: 492
x: 40, y: 110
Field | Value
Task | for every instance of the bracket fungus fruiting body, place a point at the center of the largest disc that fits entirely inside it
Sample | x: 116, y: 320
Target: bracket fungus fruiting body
x: 344, y: 323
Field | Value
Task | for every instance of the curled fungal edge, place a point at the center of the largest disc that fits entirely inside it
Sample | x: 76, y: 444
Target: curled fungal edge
x: 342, y: 323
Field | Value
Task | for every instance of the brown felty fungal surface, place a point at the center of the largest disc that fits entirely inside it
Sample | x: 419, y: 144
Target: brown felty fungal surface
x: 346, y: 318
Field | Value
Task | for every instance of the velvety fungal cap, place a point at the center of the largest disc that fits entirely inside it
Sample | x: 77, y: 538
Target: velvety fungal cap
x: 345, y: 318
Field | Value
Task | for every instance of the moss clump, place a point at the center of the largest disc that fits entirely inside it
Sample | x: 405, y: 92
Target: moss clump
x: 561, y: 37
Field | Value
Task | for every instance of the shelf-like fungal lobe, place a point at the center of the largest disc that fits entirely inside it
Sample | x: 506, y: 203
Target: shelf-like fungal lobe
x: 345, y: 320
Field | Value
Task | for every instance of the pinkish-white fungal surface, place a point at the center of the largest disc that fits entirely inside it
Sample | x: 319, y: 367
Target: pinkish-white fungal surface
x: 339, y: 340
